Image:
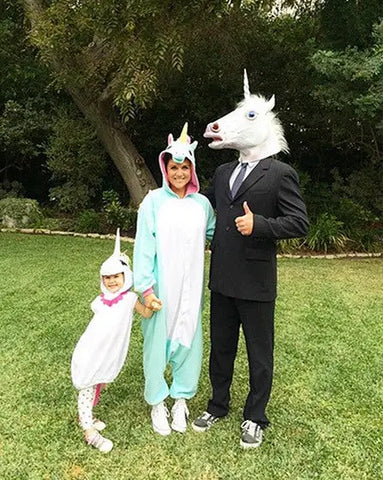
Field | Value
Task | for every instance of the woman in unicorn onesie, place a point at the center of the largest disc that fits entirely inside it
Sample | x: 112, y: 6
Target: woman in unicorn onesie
x: 173, y: 224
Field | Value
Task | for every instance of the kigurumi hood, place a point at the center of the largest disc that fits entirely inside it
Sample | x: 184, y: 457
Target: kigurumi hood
x: 117, y: 263
x: 180, y: 150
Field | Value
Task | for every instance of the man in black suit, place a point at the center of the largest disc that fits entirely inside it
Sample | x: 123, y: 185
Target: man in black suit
x: 267, y: 206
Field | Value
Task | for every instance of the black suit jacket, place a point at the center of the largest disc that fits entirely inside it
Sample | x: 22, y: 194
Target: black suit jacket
x: 245, y: 267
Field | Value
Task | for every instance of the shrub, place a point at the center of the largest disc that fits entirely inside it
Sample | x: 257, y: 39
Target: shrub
x: 19, y: 213
x: 11, y: 189
x: 290, y: 245
x: 117, y: 215
x: 88, y: 222
x: 326, y: 233
x: 77, y: 162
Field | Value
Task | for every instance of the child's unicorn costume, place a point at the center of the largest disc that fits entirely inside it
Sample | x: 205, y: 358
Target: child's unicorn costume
x: 101, y: 351
x: 169, y: 257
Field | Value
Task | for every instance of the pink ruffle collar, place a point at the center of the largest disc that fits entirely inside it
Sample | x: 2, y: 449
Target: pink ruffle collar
x: 114, y: 300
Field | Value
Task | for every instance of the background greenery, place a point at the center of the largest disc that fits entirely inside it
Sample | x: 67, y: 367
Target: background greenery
x: 326, y: 407
x: 322, y: 59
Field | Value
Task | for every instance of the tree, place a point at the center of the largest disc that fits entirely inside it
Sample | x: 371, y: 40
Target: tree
x: 108, y: 55
x: 25, y: 105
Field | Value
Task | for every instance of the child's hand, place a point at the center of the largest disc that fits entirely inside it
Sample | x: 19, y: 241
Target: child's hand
x: 152, y: 302
x: 156, y: 305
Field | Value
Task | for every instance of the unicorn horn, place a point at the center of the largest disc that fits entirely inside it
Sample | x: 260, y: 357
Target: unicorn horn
x: 184, y: 134
x: 246, y: 90
x: 117, y: 250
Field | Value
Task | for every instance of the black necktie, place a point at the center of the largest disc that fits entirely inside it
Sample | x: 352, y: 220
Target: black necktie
x: 238, y: 180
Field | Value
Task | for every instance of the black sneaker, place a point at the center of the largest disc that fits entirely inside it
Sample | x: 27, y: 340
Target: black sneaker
x: 252, y: 434
x: 204, y: 422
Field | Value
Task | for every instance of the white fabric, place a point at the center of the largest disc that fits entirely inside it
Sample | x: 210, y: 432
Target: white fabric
x: 101, y: 351
x: 181, y: 233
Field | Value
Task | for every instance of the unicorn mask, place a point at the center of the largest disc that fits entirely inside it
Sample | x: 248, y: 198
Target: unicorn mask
x: 180, y: 150
x: 252, y: 128
x: 116, y: 263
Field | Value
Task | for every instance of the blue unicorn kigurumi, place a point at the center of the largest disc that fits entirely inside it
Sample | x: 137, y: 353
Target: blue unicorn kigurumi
x: 173, y: 224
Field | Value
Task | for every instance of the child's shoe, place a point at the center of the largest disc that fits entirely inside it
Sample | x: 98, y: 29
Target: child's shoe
x: 98, y: 441
x: 180, y: 414
x: 159, y: 416
x: 98, y: 424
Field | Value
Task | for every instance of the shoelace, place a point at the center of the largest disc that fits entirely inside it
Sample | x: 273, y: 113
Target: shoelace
x: 97, y: 440
x: 251, y: 428
x: 181, y: 408
x: 158, y: 409
x: 208, y: 417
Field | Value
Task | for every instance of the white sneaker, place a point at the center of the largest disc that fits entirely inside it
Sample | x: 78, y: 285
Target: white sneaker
x: 101, y: 443
x: 160, y: 419
x: 180, y: 415
x: 99, y: 425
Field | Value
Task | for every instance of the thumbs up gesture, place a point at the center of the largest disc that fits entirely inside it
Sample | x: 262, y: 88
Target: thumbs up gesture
x: 245, y: 223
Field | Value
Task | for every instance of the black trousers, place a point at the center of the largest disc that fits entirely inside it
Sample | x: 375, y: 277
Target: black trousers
x: 257, y: 319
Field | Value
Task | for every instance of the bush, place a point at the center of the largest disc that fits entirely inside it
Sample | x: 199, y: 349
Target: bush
x: 326, y: 233
x: 290, y: 245
x: 116, y: 215
x: 88, y: 222
x: 19, y: 213
x: 10, y: 189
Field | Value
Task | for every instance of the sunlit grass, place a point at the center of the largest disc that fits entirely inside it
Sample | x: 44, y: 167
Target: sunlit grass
x: 327, y: 402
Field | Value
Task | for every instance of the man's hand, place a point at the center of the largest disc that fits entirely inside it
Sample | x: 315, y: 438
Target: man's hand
x: 245, y: 223
x: 152, y: 302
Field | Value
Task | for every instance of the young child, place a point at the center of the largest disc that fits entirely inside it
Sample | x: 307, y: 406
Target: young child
x: 101, y: 351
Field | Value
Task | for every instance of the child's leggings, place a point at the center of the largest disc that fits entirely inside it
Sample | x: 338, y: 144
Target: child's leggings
x: 85, y: 406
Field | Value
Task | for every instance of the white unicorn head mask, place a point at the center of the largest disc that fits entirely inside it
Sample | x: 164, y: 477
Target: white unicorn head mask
x: 252, y: 128
x: 117, y: 263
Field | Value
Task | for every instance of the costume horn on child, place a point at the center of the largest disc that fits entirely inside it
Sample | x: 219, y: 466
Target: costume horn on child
x: 101, y: 351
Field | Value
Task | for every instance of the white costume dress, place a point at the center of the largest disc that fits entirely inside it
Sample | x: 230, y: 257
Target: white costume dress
x: 101, y: 351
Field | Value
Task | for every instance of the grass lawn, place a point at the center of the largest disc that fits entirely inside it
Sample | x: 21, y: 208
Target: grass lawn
x: 327, y: 402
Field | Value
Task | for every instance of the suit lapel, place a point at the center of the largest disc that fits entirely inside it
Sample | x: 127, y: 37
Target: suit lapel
x: 226, y: 177
x: 258, y: 172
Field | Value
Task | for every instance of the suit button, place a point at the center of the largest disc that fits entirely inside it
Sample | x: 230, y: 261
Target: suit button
x: 231, y: 206
x: 227, y: 229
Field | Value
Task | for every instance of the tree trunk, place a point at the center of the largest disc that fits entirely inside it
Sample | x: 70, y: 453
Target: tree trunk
x: 110, y: 128
x: 112, y: 134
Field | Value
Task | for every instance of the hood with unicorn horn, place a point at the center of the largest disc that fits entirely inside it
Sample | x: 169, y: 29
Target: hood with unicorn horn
x: 116, y: 263
x: 180, y: 150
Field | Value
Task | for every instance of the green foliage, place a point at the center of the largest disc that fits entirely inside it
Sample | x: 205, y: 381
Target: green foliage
x: 350, y: 89
x: 25, y: 104
x: 88, y: 221
x: 11, y: 189
x: 77, y: 162
x: 19, y: 213
x: 326, y: 234
x: 349, y: 22
x: 290, y: 246
x: 117, y: 49
x: 117, y: 215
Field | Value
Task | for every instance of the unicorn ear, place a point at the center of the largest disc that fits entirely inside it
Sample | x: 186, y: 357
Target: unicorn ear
x: 193, y: 146
x: 246, y: 89
x: 170, y: 139
x: 270, y: 104
x: 117, y: 249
